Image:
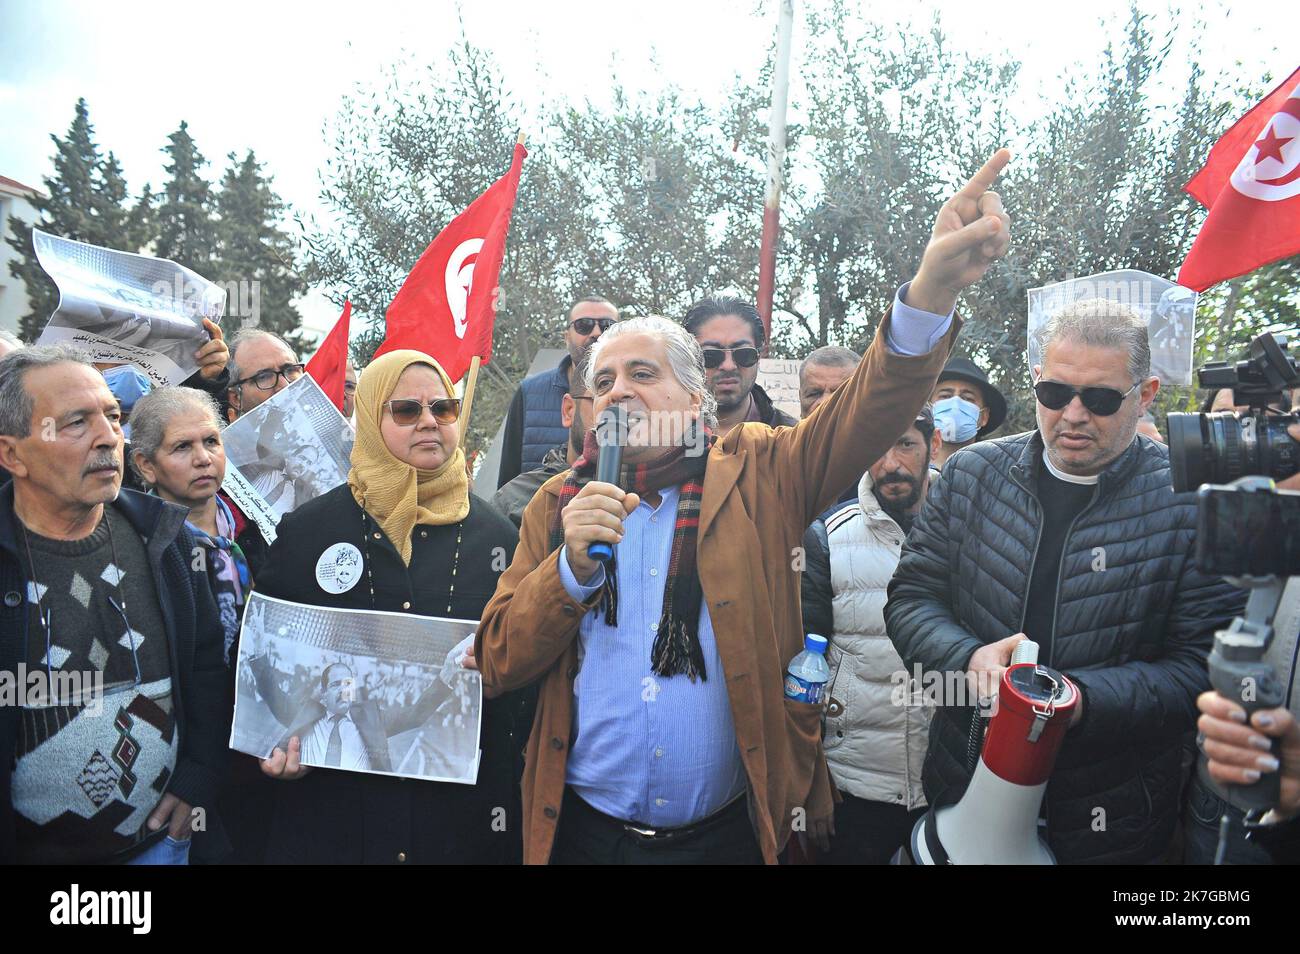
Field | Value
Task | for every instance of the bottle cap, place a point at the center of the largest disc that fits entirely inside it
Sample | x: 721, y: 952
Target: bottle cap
x: 815, y: 644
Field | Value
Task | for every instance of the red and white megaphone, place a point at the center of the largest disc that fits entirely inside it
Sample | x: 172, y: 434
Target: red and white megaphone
x: 996, y: 820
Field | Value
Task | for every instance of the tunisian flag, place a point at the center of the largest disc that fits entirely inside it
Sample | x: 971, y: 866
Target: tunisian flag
x: 329, y: 365
x: 447, y: 304
x: 1251, y: 185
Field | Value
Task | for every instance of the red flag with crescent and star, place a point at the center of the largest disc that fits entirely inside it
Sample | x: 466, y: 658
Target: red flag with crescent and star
x: 1251, y: 185
x: 447, y: 305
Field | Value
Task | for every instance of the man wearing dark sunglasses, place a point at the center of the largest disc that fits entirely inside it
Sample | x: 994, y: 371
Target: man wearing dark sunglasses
x: 1071, y: 536
x: 730, y: 332
x: 533, y: 422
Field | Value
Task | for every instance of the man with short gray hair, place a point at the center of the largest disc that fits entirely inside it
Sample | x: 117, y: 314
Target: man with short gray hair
x: 1071, y: 536
x: 261, y: 365
x: 821, y: 373
x: 664, y: 734
x: 101, y: 604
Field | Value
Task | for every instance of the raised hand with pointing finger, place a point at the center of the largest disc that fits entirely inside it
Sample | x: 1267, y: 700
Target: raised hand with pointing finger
x: 971, y: 232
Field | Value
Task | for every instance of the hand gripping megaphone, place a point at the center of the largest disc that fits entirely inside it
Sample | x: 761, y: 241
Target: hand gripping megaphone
x: 996, y: 820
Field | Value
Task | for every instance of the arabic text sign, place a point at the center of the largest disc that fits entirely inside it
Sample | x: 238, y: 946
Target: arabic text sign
x: 780, y: 379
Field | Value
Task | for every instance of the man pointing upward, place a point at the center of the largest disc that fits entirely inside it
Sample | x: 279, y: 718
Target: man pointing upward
x: 662, y: 732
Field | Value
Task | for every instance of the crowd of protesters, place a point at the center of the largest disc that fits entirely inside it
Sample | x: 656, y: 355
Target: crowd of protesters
x: 634, y: 709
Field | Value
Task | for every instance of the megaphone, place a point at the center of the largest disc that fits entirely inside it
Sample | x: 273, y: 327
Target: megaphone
x: 996, y: 820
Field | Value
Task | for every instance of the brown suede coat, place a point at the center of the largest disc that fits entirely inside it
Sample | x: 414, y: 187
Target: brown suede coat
x: 762, y: 489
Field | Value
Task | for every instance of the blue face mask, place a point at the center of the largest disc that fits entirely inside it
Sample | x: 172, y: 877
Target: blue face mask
x: 957, y: 419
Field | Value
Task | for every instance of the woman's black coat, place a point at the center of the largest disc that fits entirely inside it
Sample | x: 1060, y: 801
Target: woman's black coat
x: 330, y: 816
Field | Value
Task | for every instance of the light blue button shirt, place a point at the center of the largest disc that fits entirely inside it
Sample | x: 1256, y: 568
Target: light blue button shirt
x: 662, y: 750
x: 652, y: 749
x: 913, y: 331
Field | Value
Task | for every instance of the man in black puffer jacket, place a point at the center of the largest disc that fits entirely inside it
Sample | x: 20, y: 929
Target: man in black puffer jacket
x: 1072, y: 536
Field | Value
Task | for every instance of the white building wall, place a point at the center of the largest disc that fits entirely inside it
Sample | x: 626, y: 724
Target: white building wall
x: 13, y: 291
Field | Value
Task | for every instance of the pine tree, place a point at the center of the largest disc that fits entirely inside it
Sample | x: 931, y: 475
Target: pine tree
x: 184, y: 228
x: 86, y: 203
x: 255, y: 257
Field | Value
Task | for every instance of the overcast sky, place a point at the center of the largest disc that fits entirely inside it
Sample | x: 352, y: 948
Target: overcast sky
x: 268, y: 75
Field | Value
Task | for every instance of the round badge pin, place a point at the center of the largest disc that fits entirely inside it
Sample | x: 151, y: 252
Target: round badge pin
x: 339, y: 568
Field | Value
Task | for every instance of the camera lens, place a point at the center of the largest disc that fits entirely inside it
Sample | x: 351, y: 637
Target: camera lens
x: 1219, y: 448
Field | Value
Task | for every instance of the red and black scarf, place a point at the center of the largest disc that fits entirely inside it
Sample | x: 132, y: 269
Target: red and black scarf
x: 677, y: 640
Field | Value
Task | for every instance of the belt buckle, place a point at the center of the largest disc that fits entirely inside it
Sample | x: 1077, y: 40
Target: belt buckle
x: 643, y: 832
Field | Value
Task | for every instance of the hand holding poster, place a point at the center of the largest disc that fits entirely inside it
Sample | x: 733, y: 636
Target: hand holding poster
x: 291, y: 448
x: 363, y: 690
x: 1169, y: 311
x: 125, y: 308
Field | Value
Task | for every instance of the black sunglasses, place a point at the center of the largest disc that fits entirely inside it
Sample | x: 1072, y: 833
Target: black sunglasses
x: 406, y: 411
x: 583, y: 326
x: 744, y: 357
x: 1054, y: 395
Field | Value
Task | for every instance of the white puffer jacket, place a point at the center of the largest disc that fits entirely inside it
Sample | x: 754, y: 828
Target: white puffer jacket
x: 875, y: 746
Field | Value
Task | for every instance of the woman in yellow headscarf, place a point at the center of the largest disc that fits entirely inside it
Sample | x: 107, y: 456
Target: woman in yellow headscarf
x: 404, y: 534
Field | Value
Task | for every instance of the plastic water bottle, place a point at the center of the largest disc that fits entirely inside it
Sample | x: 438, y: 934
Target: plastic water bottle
x: 808, y: 673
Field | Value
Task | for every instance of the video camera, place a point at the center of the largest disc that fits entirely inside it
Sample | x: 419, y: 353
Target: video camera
x: 1220, y: 447
x: 1247, y: 531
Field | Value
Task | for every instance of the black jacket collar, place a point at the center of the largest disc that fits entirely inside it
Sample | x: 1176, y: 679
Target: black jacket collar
x: 772, y: 415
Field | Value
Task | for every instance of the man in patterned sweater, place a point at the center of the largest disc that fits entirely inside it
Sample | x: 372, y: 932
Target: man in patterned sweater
x: 108, y: 631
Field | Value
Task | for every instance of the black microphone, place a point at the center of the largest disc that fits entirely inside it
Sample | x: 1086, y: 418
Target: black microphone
x: 611, y: 436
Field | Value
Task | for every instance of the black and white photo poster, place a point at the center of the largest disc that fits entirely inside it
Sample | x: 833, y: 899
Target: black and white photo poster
x: 290, y: 449
x: 122, y: 308
x: 363, y: 690
x: 1169, y: 311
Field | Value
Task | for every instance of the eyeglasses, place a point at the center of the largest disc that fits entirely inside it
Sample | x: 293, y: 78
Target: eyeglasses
x: 583, y: 326
x: 86, y: 693
x: 407, y: 411
x: 744, y: 357
x: 1054, y: 395
x: 267, y: 380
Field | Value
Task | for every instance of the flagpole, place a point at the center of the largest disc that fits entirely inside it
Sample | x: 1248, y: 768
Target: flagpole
x: 775, y: 166
x: 467, y: 402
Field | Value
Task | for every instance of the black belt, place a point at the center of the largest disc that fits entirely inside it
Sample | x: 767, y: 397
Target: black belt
x: 734, y: 809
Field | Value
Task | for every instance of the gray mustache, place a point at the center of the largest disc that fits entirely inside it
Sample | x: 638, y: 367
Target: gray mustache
x: 101, y: 461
